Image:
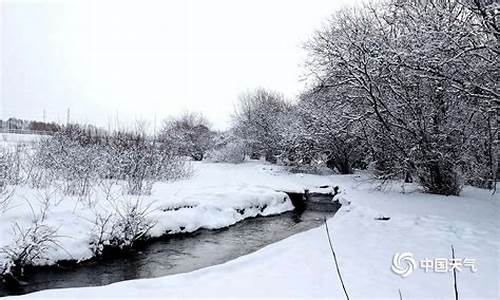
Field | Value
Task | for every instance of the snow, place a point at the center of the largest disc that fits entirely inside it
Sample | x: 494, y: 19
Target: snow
x: 218, y: 195
x: 301, y: 266
x: 15, y: 138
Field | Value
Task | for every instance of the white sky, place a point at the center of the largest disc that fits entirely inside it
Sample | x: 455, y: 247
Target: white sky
x: 146, y: 60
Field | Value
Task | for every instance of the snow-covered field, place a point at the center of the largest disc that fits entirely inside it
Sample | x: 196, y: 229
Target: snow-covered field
x: 301, y: 266
x: 12, y: 139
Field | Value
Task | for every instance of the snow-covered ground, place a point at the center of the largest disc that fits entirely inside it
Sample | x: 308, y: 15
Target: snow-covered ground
x: 217, y: 195
x: 301, y: 266
x: 12, y: 139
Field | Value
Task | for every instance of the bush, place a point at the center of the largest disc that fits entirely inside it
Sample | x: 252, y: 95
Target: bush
x: 232, y: 152
x: 68, y: 158
x: 12, y: 173
x: 439, y: 177
x: 188, y: 135
x: 11, y: 168
x: 5, y: 167
x: 81, y: 159
x: 123, y: 226
x: 28, y: 248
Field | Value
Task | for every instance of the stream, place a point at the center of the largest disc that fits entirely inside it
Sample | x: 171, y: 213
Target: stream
x: 176, y: 254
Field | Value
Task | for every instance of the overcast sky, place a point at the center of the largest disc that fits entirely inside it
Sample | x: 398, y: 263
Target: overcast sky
x: 145, y: 60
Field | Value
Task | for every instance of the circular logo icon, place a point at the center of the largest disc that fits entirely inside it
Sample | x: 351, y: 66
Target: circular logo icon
x: 403, y: 264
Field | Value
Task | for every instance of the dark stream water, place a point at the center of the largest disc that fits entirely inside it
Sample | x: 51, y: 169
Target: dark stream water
x: 176, y: 254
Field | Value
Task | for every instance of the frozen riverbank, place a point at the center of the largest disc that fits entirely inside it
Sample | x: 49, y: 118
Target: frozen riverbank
x: 216, y: 196
x: 301, y: 266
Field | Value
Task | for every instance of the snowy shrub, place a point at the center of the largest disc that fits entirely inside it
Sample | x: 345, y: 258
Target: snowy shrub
x: 314, y: 168
x: 11, y: 168
x: 12, y: 173
x: 42, y: 171
x: 5, y: 165
x: 257, y: 121
x: 101, y: 233
x: 67, y: 159
x: 188, y: 135
x: 232, y: 151
x: 80, y: 160
x: 6, y: 193
x: 141, y: 168
x: 479, y: 158
x: 131, y: 225
x: 316, y: 131
x: 123, y: 226
x: 141, y: 163
x: 40, y: 178
x: 29, y: 247
x: 439, y: 177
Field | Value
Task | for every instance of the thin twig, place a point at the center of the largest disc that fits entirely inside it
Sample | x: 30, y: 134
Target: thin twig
x: 454, y: 273
x: 335, y: 260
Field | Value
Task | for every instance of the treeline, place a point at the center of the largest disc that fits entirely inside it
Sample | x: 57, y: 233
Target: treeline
x: 14, y: 124
x: 406, y: 89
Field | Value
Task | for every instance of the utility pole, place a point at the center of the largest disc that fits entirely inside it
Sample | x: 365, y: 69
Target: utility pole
x: 67, y: 117
x: 44, y: 115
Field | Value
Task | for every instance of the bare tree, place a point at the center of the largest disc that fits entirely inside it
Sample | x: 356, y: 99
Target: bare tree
x: 257, y: 120
x: 188, y: 135
x: 319, y: 131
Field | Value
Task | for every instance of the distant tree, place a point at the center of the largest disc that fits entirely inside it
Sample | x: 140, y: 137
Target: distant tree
x: 44, y: 126
x: 227, y: 148
x: 15, y: 124
x: 188, y: 135
x: 37, y: 126
x: 258, y: 121
x: 319, y: 131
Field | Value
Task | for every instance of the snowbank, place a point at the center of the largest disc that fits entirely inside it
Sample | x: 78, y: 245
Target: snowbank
x: 218, y: 195
x: 301, y: 266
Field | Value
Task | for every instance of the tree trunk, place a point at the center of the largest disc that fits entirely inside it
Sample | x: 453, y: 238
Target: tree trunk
x: 342, y: 165
x: 269, y: 155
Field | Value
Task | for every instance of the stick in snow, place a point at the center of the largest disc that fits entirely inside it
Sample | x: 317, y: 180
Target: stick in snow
x: 335, y: 260
x: 454, y: 273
